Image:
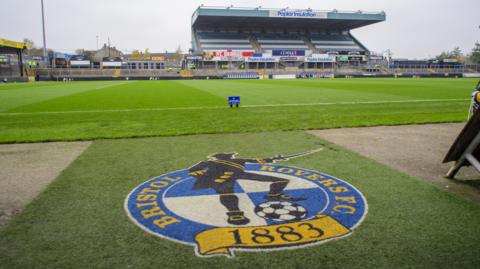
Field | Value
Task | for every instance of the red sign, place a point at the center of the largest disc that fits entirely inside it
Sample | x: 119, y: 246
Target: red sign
x: 227, y: 55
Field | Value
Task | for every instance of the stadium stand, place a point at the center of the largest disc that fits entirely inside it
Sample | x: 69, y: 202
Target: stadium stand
x: 224, y: 41
x: 325, y: 43
x: 277, y: 41
x: 284, y: 39
x: 274, y: 41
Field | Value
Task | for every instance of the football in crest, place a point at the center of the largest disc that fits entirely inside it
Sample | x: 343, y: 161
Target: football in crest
x: 281, y: 211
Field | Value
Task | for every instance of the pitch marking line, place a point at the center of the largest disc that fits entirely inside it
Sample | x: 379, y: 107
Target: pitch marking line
x: 225, y: 107
x: 110, y: 85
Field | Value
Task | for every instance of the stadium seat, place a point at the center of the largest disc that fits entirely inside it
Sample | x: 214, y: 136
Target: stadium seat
x: 224, y: 41
x: 274, y: 41
x: 328, y: 43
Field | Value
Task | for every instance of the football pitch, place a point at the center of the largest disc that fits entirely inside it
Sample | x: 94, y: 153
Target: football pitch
x: 123, y: 109
x: 80, y: 219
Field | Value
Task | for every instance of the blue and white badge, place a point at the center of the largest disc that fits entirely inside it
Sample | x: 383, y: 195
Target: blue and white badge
x: 227, y: 203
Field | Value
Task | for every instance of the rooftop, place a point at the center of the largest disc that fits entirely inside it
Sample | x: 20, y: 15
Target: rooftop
x: 241, y: 17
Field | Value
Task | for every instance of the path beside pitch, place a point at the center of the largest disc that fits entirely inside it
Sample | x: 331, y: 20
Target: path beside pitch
x: 27, y: 169
x: 417, y: 150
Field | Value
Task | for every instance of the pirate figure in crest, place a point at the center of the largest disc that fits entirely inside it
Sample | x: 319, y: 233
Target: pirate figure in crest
x: 222, y: 170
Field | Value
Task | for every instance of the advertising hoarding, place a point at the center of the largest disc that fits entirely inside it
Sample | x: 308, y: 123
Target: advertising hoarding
x: 288, y: 53
x: 227, y: 55
x: 158, y: 58
x: 261, y: 60
x: 79, y: 63
x: 320, y: 58
x: 112, y: 64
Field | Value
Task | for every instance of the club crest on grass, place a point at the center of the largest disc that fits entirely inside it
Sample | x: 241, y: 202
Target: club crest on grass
x: 227, y: 203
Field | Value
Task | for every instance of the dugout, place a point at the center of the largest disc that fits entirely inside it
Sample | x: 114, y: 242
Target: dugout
x: 11, y: 60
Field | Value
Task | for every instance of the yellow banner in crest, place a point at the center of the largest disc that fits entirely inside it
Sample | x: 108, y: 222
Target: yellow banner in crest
x: 221, y: 240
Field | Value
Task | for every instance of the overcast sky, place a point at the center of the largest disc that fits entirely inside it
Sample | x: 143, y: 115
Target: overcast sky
x: 413, y: 29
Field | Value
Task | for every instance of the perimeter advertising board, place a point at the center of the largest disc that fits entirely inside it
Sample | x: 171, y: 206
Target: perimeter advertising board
x: 350, y: 58
x: 79, y: 63
x: 449, y: 60
x: 158, y: 58
x: 291, y: 59
x: 342, y: 58
x: 112, y: 64
x: 356, y: 58
x: 320, y: 58
x: 261, y: 60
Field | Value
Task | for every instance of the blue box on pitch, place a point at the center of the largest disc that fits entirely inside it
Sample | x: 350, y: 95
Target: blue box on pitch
x: 234, y: 101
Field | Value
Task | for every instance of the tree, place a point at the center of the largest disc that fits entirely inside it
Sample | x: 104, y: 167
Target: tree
x: 28, y: 40
x: 36, y: 51
x: 456, y: 53
x: 87, y: 53
x: 178, y: 53
x: 33, y: 50
x: 136, y: 54
x: 444, y: 55
x: 474, y: 57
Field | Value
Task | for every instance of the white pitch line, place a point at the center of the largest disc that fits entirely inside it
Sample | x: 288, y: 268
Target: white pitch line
x: 110, y: 85
x: 363, y: 103
x: 226, y: 107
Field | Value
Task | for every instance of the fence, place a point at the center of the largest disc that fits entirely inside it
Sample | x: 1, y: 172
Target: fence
x: 337, y: 71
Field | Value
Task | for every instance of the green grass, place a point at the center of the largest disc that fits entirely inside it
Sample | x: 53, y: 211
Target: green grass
x: 91, y: 110
x: 80, y: 222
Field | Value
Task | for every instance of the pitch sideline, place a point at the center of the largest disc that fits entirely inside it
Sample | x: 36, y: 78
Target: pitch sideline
x: 225, y: 107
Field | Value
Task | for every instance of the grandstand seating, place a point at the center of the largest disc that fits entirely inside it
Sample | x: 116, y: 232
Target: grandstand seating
x: 330, y: 43
x: 224, y: 41
x: 273, y: 41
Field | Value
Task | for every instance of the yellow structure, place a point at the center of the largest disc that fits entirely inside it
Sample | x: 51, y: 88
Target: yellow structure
x: 186, y: 73
x: 13, y: 47
x: 14, y: 44
x: 117, y: 74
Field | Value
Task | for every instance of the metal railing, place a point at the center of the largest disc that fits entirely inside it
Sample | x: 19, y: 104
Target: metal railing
x: 434, y: 69
x: 59, y: 73
x: 77, y: 72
